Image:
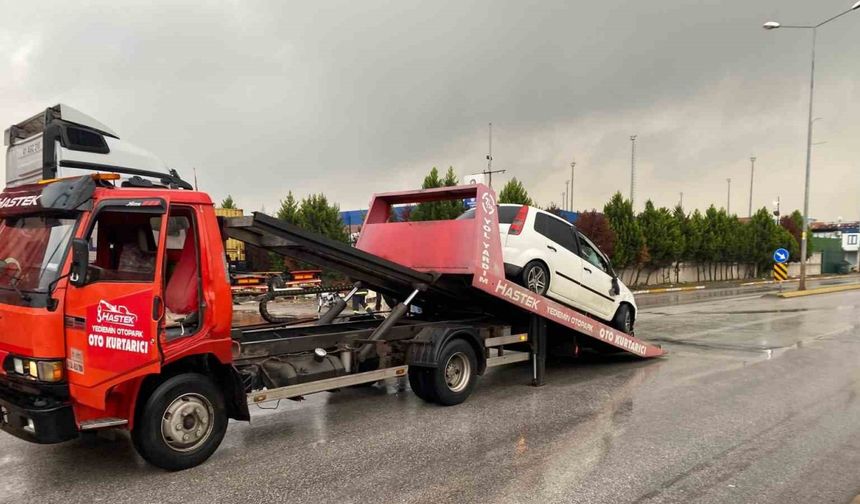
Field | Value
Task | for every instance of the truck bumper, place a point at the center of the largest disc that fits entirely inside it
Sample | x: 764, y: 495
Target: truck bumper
x: 53, y: 423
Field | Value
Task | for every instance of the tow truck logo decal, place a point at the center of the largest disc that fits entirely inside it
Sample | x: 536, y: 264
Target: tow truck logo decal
x: 118, y: 314
x: 489, y: 232
x: 488, y: 204
x: 118, y: 333
x: 19, y: 201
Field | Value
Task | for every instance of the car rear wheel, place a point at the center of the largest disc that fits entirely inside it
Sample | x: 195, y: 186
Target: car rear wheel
x: 536, y: 277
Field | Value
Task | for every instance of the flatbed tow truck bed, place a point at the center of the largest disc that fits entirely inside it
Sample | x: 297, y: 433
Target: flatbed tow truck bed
x: 452, y: 270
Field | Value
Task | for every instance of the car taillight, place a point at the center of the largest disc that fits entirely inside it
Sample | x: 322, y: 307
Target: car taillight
x: 519, y: 221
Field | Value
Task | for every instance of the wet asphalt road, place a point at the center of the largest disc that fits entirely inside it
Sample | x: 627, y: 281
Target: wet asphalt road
x: 757, y: 402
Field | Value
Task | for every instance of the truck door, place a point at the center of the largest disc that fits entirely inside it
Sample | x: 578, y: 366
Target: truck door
x: 112, y: 322
x: 563, y: 260
x: 596, y: 278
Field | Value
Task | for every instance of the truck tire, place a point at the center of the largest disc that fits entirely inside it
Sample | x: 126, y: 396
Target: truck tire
x: 623, y: 319
x: 536, y: 277
x: 419, y: 380
x: 454, y: 379
x: 182, y: 423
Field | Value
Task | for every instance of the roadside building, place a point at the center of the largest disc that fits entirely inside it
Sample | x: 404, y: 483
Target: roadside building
x: 839, y: 243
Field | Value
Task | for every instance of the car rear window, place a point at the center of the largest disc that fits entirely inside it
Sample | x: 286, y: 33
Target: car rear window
x: 507, y: 214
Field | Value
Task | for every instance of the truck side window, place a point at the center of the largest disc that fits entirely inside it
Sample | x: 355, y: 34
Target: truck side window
x: 123, y: 246
x: 181, y: 273
x: 589, y: 252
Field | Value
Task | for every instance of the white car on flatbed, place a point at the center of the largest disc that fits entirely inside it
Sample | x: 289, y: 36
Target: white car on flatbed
x: 548, y: 255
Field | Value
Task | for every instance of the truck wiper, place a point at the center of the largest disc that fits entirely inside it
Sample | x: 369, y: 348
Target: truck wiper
x: 13, y: 282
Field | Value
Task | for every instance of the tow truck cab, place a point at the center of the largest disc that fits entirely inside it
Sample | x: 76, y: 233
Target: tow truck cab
x: 149, y: 295
x: 105, y: 278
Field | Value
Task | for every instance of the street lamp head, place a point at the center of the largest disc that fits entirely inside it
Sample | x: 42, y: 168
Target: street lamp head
x: 773, y: 25
x: 856, y: 6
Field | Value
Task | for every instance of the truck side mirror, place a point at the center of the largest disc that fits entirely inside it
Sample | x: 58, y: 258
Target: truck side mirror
x: 616, y: 288
x: 80, y: 262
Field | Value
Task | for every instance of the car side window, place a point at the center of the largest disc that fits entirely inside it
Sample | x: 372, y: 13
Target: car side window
x: 589, y: 252
x: 557, y: 231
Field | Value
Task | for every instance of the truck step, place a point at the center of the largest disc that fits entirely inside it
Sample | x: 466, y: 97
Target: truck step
x: 103, y: 423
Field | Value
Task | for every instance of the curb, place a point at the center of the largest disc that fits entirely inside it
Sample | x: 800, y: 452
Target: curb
x: 669, y: 289
x: 768, y: 282
x: 820, y: 290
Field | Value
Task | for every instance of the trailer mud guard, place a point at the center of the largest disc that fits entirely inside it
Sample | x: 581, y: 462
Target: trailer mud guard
x: 424, y: 349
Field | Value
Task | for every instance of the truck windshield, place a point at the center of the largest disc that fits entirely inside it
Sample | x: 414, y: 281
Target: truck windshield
x: 32, y: 249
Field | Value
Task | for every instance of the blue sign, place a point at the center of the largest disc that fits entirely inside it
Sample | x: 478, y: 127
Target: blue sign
x: 780, y: 255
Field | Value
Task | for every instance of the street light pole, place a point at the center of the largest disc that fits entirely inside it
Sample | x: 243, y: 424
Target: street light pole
x: 572, y: 166
x: 632, y: 167
x: 729, y: 197
x: 772, y: 25
x: 566, y: 193
x: 752, y: 178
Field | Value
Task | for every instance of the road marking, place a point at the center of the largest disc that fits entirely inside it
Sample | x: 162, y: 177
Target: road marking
x: 669, y: 289
x: 820, y: 290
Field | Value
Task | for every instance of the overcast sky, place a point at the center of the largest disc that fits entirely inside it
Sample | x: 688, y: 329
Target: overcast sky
x: 355, y: 97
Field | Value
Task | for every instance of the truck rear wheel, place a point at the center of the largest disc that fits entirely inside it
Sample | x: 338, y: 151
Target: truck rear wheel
x: 454, y: 379
x: 419, y: 380
x: 182, y: 423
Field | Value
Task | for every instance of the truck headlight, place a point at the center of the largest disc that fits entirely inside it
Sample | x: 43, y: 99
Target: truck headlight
x: 18, y: 365
x: 49, y: 371
x: 43, y: 370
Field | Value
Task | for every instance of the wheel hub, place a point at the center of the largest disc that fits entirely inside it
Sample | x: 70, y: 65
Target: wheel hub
x: 536, y: 279
x: 457, y: 372
x: 187, y: 422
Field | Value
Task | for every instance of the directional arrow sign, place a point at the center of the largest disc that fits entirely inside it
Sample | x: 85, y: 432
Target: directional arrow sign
x: 780, y: 255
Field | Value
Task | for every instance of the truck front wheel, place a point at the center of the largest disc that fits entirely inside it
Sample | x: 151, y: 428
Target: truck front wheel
x: 182, y: 423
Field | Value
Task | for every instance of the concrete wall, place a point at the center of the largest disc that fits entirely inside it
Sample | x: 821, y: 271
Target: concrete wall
x: 690, y: 273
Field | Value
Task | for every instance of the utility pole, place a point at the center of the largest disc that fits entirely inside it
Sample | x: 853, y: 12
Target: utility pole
x: 572, y: 166
x: 566, y: 192
x: 489, y: 172
x: 772, y: 25
x: 752, y: 177
x: 729, y: 198
x: 681, y: 202
x: 632, y: 167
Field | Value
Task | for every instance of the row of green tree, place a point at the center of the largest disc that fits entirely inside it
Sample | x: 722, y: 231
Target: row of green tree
x: 721, y: 245
x: 642, y: 243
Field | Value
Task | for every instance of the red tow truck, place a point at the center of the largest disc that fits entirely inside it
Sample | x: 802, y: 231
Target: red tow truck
x: 115, y: 308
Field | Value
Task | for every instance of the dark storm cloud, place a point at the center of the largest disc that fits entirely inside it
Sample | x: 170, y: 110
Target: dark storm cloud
x: 348, y: 98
